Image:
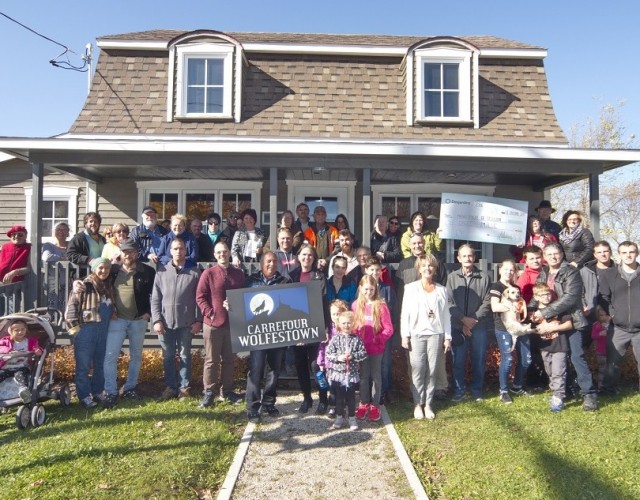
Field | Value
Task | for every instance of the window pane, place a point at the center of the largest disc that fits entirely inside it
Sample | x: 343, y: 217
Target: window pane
x: 232, y: 201
x: 166, y: 204
x: 199, y: 205
x: 47, y: 228
x: 215, y: 71
x: 214, y: 100
x: 397, y: 205
x: 451, y: 104
x: 47, y: 209
x: 196, y: 71
x: 61, y: 209
x: 450, y: 76
x: 432, y: 104
x: 195, y: 100
x: 431, y: 76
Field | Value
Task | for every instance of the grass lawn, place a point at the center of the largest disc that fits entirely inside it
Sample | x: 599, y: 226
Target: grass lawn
x: 523, y: 450
x: 136, y: 450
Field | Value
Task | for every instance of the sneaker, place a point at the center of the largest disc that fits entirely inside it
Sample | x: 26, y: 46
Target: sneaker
x: 338, y: 424
x: 271, y: 410
x: 88, y: 402
x: 207, y: 399
x: 109, y: 401
x: 590, y: 402
x: 25, y: 394
x: 374, y: 413
x: 418, y: 412
x: 459, y: 396
x: 233, y: 398
x: 362, y: 411
x: 519, y: 391
x: 168, y: 394
x: 331, y: 413
x: 99, y: 398
x: 478, y: 399
x: 253, y: 415
x: 131, y: 394
x: 440, y: 395
x: 428, y: 413
x: 505, y: 398
x: 353, y: 423
x: 185, y: 393
x: 556, y: 404
x: 304, y: 407
x: 322, y: 408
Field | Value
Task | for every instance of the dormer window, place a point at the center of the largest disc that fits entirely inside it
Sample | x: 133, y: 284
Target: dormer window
x: 205, y: 81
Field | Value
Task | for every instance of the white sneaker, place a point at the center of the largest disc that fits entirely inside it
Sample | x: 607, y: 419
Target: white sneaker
x: 88, y: 402
x: 428, y: 413
x: 25, y: 394
x: 338, y: 424
x: 418, y: 412
x: 353, y: 424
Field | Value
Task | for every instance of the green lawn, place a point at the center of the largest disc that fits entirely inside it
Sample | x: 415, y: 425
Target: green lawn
x: 523, y: 450
x: 136, y: 450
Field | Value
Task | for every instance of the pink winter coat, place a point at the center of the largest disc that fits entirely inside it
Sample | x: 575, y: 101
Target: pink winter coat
x: 374, y: 344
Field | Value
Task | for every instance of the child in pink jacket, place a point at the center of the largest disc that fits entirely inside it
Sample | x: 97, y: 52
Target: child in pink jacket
x: 17, y: 341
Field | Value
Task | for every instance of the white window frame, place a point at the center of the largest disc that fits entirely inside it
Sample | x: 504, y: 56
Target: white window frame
x: 442, y: 55
x: 54, y: 193
x: 216, y: 187
x: 204, y: 51
x: 297, y: 190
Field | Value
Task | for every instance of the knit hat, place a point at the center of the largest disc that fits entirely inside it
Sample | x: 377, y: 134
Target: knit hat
x: 96, y: 262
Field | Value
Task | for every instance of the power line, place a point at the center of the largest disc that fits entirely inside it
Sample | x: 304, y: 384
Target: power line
x: 57, y: 62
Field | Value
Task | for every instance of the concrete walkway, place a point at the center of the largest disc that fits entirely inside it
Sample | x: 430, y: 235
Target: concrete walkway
x: 297, y: 456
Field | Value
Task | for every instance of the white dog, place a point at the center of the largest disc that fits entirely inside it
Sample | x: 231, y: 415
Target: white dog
x: 513, y: 318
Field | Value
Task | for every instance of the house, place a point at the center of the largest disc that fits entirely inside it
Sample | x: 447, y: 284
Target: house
x: 205, y: 121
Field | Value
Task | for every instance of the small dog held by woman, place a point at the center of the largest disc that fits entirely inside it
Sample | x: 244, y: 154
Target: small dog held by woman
x: 514, y: 319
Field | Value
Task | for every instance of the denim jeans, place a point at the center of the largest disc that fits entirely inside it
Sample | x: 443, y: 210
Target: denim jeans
x: 177, y: 340
x: 120, y: 329
x: 505, y: 341
x: 89, y: 346
x: 579, y: 362
x: 477, y: 346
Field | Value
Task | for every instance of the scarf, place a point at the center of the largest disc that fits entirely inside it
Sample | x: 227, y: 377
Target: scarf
x: 568, y: 235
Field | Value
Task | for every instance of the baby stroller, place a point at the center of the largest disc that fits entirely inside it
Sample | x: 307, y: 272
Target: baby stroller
x: 42, y: 323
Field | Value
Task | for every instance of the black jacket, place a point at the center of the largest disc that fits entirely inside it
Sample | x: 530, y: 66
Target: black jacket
x: 143, y: 279
x: 569, y: 289
x: 622, y: 298
x: 579, y: 250
x: 389, y: 245
x: 78, y: 248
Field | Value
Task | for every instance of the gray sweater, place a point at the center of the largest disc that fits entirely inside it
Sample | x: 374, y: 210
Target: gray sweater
x: 173, y: 300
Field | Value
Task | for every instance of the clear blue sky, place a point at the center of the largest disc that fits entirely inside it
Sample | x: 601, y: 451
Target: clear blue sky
x: 590, y: 60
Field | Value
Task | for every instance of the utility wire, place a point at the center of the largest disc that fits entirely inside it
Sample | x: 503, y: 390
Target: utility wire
x: 64, y: 64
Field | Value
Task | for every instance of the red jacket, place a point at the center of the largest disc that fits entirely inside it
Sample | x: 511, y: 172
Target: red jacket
x: 526, y: 281
x: 12, y: 257
x: 212, y: 291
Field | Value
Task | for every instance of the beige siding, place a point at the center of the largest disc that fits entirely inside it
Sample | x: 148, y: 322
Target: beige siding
x: 118, y: 201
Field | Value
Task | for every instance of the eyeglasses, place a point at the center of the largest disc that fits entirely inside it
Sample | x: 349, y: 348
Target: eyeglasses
x: 394, y: 223
x: 214, y: 223
x: 17, y: 235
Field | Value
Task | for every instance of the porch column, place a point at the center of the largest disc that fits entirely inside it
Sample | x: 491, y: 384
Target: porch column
x: 92, y: 197
x: 33, y: 280
x: 273, y: 206
x: 366, y: 205
x: 594, y: 204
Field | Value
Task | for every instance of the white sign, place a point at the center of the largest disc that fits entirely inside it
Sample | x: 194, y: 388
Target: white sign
x: 483, y: 218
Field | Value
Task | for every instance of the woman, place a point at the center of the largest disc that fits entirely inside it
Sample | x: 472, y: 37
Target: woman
x: 87, y: 316
x: 417, y: 224
x: 248, y: 242
x: 576, y: 240
x: 14, y: 256
x: 385, y: 239
x: 508, y: 277
x: 373, y: 325
x: 178, y: 230
x: 306, y: 354
x: 111, y: 250
x: 53, y: 252
x: 340, y: 286
x: 425, y: 326
x: 57, y: 250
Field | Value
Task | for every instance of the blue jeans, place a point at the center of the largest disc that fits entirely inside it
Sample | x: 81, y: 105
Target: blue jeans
x: 477, y: 344
x: 89, y: 346
x: 524, y: 359
x: 579, y: 361
x: 120, y: 329
x: 174, y: 341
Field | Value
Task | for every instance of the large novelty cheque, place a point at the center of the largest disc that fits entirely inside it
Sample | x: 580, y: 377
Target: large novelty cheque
x: 276, y: 316
x: 483, y: 218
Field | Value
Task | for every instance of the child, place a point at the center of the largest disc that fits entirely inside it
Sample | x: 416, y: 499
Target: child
x: 373, y: 325
x: 599, y: 336
x: 553, y: 346
x: 335, y: 309
x: 345, y: 351
x: 17, y: 341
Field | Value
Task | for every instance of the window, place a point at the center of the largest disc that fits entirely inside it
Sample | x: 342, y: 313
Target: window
x: 443, y: 79
x: 205, y: 81
x: 59, y: 204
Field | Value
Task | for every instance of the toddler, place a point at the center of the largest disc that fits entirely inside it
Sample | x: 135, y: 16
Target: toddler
x: 599, y: 336
x: 17, y: 341
x: 345, y: 351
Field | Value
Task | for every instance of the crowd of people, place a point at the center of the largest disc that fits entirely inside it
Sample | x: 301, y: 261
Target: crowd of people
x: 568, y: 293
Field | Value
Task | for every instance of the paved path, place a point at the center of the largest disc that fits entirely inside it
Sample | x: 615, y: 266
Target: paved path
x: 297, y: 456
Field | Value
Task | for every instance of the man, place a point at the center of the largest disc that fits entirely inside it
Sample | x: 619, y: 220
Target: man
x: 593, y: 269
x: 232, y: 227
x: 132, y: 285
x: 544, y: 211
x: 533, y: 265
x: 362, y: 256
x: 205, y: 247
x: 347, y: 251
x: 287, y: 260
x: 176, y: 318
x: 620, y: 290
x: 321, y: 236
x: 269, y: 359
x: 565, y: 281
x: 302, y: 223
x: 148, y: 235
x: 88, y: 244
x: 471, y: 319
x: 211, y: 296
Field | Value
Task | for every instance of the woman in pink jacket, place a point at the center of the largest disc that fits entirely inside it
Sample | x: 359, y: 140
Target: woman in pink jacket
x: 373, y: 325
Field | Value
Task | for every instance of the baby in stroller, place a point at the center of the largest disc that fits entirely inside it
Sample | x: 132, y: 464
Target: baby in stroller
x: 16, y: 342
